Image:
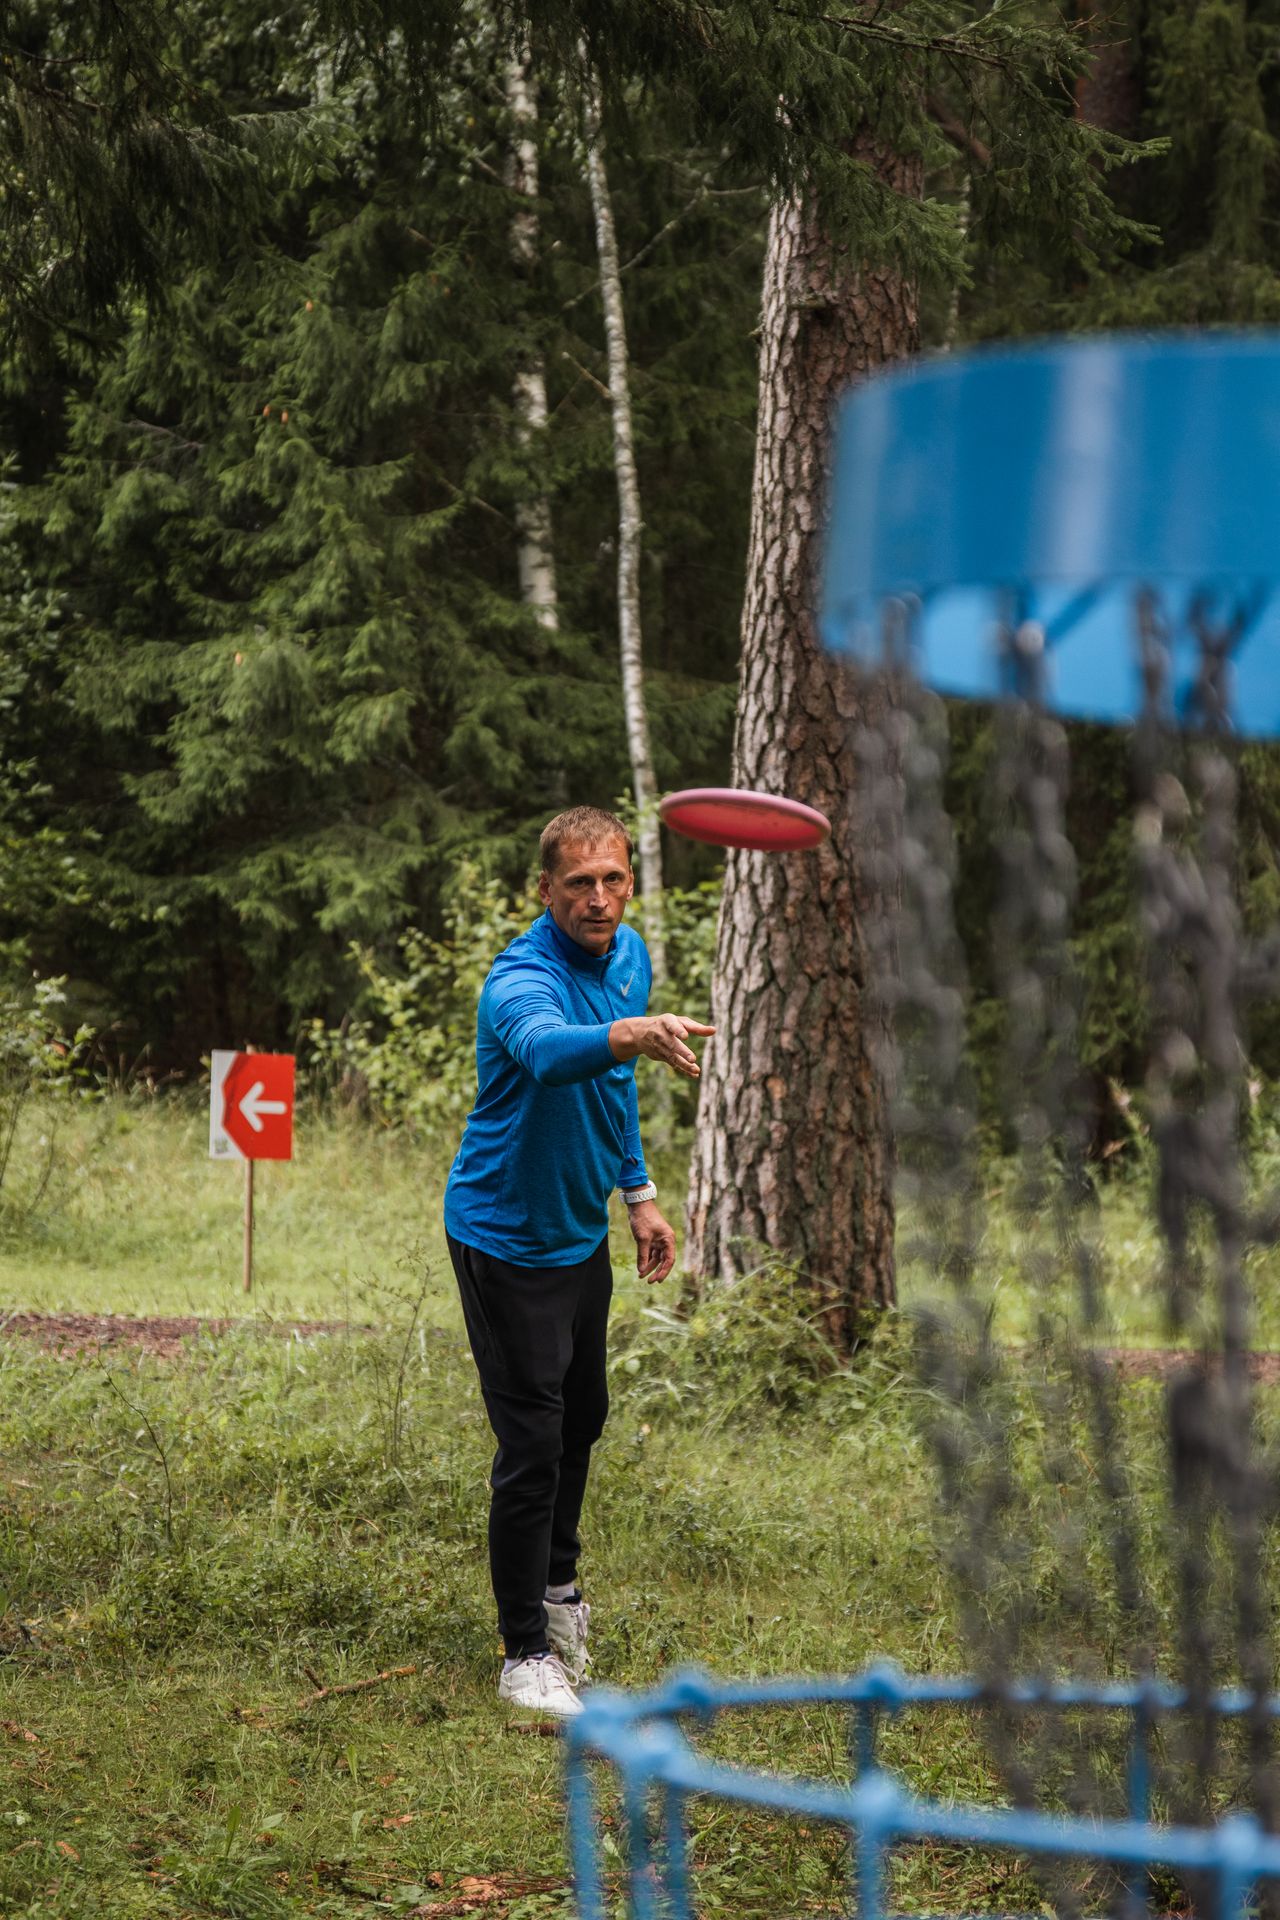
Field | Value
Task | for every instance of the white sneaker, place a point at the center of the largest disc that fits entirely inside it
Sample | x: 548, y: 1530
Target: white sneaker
x: 540, y: 1686
x: 567, y: 1623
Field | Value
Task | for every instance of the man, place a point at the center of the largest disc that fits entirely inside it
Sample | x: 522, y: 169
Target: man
x: 555, y: 1128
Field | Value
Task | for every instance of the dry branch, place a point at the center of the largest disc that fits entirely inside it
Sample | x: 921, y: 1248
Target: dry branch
x: 488, y: 1892
x: 357, y: 1686
x: 961, y: 136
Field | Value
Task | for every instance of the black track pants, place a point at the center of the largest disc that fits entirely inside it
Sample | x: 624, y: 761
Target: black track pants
x: 538, y: 1336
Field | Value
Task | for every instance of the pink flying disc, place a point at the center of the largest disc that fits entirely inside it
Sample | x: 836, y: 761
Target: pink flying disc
x: 732, y: 817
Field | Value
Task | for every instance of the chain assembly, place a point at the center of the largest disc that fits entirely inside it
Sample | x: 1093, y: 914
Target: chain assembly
x: 1039, y: 1448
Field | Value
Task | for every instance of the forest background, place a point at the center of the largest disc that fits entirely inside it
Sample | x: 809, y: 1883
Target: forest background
x: 279, y: 723
x: 272, y: 702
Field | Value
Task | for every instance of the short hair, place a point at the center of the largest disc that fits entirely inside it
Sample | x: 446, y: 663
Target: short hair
x: 590, y: 825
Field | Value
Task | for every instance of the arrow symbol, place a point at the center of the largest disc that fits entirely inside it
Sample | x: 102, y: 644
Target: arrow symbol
x: 253, y: 1106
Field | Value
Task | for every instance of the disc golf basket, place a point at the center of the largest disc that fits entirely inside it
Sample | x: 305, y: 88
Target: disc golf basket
x: 1079, y: 530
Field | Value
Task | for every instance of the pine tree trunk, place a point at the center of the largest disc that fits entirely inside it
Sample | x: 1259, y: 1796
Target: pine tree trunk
x: 793, y: 1153
x: 1108, y: 90
x: 535, y: 555
x: 630, y: 528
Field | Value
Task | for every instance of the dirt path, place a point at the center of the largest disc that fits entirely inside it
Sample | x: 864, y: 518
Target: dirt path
x: 1157, y: 1363
x: 169, y: 1336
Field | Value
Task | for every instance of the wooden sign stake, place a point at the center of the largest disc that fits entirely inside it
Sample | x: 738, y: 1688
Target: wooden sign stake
x: 250, y: 1118
x: 248, y: 1226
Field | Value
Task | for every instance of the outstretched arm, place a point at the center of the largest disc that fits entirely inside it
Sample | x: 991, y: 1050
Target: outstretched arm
x: 527, y: 1018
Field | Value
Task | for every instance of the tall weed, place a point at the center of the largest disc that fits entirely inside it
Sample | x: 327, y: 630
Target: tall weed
x: 748, y: 1347
x: 40, y: 1066
x: 410, y: 1052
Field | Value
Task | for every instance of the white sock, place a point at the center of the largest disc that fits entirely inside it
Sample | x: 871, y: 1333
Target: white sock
x: 508, y: 1663
x: 559, y: 1595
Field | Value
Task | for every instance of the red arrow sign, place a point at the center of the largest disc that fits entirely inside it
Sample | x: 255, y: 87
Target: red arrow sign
x: 257, y: 1106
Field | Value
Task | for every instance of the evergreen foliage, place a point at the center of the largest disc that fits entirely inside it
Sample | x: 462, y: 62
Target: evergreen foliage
x: 267, y: 680
x: 786, y: 87
x: 281, y: 530
x: 116, y: 158
x: 39, y: 874
x: 1197, y: 86
x: 1210, y: 89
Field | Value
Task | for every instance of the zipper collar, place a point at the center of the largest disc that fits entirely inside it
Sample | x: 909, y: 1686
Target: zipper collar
x: 596, y: 964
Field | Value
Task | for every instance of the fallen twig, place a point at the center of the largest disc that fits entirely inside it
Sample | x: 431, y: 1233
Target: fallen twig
x: 487, y: 1893
x: 357, y: 1686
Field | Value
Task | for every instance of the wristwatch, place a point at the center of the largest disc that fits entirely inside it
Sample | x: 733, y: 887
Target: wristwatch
x: 637, y: 1194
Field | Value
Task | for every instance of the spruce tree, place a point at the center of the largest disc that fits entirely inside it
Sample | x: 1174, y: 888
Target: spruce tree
x: 284, y: 526
x: 117, y: 159
x: 40, y: 876
x: 1196, y: 86
x: 294, y: 670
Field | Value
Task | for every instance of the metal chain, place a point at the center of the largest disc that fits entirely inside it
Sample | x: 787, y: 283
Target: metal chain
x: 994, y: 1484
x: 1200, y: 972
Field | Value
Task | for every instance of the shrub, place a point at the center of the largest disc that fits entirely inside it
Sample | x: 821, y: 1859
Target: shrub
x: 37, y: 1057
x: 411, y: 1051
x: 744, y: 1347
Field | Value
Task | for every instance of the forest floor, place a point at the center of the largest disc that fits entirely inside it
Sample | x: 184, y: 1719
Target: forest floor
x: 203, y: 1531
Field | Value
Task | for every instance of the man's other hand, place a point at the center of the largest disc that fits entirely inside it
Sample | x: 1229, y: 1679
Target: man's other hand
x: 655, y: 1241
x: 660, y: 1036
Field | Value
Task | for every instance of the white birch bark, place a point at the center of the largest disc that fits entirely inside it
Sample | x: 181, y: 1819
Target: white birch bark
x: 630, y: 528
x: 535, y: 555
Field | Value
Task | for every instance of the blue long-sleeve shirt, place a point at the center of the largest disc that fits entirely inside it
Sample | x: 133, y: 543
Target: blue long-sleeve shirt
x: 556, y: 1126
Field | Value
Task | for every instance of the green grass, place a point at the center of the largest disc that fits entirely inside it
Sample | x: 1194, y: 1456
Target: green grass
x: 1131, y: 1258
x: 183, y: 1545
x: 137, y: 1219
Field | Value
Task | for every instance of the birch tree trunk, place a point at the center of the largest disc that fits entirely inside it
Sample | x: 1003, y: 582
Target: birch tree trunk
x: 793, y: 1152
x: 535, y: 554
x: 630, y: 528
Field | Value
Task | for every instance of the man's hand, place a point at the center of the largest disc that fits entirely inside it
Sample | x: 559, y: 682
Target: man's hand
x: 660, y: 1036
x: 655, y: 1241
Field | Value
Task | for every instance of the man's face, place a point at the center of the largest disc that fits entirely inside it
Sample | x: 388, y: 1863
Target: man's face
x: 588, y: 891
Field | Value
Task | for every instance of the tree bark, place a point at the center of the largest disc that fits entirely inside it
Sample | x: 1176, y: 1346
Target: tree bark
x: 793, y: 1153
x: 1108, y: 91
x: 630, y: 529
x: 535, y: 555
